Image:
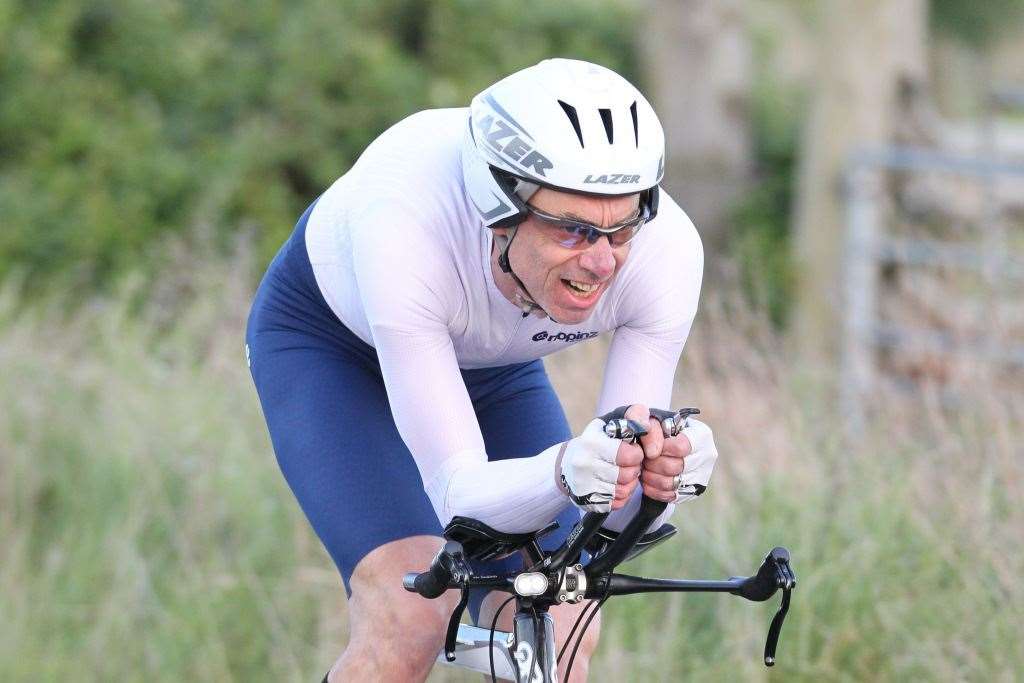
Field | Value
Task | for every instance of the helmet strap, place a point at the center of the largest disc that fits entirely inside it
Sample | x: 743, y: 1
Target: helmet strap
x: 524, y: 300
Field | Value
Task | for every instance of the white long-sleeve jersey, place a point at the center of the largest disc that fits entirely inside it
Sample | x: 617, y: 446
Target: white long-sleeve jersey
x: 401, y: 257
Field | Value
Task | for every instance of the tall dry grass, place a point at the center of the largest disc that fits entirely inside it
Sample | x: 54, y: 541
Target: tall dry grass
x: 906, y: 536
x: 147, y: 535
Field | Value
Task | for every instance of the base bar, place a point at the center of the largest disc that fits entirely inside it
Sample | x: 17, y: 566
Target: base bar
x: 623, y: 584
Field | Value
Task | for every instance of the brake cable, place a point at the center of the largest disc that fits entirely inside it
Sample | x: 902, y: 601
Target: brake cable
x: 579, y: 639
x: 572, y: 632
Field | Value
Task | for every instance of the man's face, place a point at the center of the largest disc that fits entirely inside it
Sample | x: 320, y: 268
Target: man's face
x: 568, y: 282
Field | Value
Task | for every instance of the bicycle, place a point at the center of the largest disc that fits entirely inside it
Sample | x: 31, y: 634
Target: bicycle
x: 527, y: 653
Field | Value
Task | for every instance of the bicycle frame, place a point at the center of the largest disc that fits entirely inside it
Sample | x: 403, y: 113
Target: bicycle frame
x: 514, y: 654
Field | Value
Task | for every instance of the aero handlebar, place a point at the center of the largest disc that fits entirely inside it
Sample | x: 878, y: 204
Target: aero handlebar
x: 558, y: 577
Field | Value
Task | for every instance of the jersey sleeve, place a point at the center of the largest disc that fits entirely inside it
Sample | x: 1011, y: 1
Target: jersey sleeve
x: 411, y: 291
x: 658, y: 303
x: 656, y: 306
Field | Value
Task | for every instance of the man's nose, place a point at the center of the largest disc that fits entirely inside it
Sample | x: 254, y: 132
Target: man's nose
x: 599, y: 259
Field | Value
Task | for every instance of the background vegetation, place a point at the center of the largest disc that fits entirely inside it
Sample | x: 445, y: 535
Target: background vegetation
x: 148, y: 536
x: 153, y: 154
x: 122, y: 121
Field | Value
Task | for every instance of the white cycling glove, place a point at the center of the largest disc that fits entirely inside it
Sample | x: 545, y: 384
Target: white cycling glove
x: 699, y: 463
x: 586, y: 471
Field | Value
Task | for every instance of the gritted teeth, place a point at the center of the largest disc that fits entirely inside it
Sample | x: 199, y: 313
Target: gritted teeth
x: 582, y: 287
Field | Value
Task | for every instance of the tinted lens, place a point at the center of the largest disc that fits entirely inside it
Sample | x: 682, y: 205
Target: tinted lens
x: 625, y: 233
x: 572, y: 234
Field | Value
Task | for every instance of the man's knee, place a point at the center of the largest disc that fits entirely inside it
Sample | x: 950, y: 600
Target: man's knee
x: 389, y: 624
x: 402, y: 649
x: 565, y: 616
x: 592, y: 634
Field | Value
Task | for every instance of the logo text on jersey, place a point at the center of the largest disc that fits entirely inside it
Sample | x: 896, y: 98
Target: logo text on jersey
x: 503, y: 138
x: 564, y: 336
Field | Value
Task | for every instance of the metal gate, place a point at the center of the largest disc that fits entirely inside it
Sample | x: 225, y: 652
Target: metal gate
x: 933, y: 274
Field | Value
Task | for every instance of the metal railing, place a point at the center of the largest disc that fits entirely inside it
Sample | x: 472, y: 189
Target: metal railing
x: 872, y: 246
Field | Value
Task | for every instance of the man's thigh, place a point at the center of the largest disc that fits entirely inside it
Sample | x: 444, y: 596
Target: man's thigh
x: 338, y: 447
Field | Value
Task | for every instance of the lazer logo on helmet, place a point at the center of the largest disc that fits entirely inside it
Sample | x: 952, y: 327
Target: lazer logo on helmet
x: 503, y: 138
x: 562, y: 336
x: 613, y: 179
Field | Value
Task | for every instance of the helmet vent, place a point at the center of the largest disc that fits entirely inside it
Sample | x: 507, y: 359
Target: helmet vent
x: 606, y: 119
x: 574, y: 118
x: 636, y: 130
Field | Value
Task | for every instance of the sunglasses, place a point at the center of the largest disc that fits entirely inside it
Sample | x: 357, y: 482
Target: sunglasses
x: 572, y: 233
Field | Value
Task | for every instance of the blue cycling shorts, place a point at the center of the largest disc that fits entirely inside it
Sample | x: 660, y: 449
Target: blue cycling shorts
x: 335, y: 438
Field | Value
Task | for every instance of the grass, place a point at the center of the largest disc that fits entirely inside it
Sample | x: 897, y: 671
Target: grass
x: 147, y: 535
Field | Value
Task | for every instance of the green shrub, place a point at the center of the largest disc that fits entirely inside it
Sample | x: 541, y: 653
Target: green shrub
x: 125, y: 120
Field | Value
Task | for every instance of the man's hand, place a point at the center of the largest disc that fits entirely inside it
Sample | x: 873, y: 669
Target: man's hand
x: 675, y: 468
x: 664, y: 456
x: 700, y: 462
x: 630, y: 458
x: 660, y: 471
x: 597, y: 472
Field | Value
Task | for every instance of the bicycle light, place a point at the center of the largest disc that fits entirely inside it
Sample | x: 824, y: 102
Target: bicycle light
x: 530, y: 583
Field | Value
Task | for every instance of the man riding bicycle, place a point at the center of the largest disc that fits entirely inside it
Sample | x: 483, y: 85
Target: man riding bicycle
x: 395, y: 342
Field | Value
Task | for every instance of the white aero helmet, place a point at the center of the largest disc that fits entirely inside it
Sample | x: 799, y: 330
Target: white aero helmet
x: 565, y: 124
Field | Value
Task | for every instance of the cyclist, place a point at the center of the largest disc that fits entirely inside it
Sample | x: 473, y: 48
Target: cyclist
x: 395, y: 341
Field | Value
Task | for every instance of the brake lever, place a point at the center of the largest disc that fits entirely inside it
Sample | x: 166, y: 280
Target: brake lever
x: 451, y: 636
x: 460, y: 573
x: 785, y: 579
x: 776, y: 628
x: 673, y: 422
x: 624, y: 429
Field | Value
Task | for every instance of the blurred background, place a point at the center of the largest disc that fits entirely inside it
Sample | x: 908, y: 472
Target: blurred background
x: 856, y: 170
